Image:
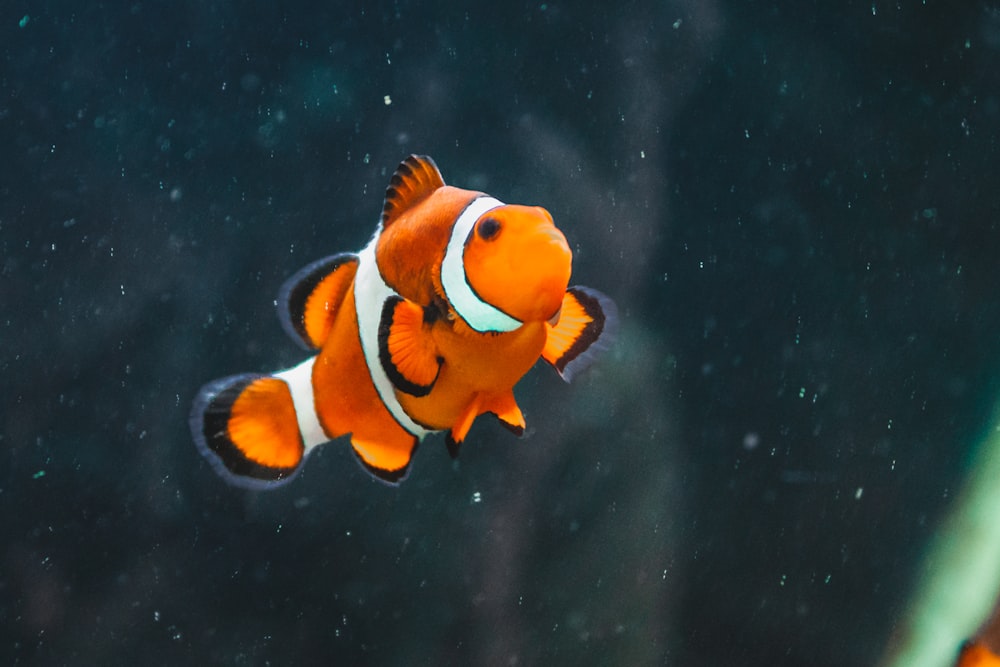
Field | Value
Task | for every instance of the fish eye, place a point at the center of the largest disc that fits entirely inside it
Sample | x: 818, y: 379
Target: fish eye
x: 488, y: 228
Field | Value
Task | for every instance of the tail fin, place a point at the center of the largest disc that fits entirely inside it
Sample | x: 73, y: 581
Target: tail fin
x: 248, y: 428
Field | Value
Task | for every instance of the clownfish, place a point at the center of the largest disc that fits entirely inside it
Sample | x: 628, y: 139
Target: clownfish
x: 453, y: 300
x: 975, y: 654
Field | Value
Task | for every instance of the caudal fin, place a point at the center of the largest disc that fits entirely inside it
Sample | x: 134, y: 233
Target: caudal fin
x: 248, y: 429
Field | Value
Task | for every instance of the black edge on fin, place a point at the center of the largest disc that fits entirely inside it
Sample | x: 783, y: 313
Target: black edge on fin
x: 388, y: 477
x: 597, y: 337
x: 209, y: 415
x: 452, y: 445
x: 399, y: 381
x: 513, y: 428
x: 295, y: 292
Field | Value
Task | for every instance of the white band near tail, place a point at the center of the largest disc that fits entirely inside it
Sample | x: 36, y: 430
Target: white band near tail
x: 478, y: 314
x: 299, y: 381
x: 370, y: 293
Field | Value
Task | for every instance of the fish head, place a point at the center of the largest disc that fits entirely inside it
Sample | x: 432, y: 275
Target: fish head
x: 518, y: 261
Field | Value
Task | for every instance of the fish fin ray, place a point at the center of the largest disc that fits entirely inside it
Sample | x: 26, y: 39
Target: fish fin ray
x: 415, y: 178
x: 587, y: 327
x: 246, y: 426
x: 309, y: 300
x: 406, y: 349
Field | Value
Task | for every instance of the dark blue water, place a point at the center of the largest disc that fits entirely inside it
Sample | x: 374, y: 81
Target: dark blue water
x: 794, y: 206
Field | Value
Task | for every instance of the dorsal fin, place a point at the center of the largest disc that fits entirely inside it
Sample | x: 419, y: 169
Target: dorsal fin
x: 309, y: 300
x: 416, y: 177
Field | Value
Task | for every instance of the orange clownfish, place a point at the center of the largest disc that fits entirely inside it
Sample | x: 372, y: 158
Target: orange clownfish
x: 431, y: 325
x: 975, y: 654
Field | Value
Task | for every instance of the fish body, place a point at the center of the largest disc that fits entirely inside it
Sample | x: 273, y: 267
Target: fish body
x: 432, y: 324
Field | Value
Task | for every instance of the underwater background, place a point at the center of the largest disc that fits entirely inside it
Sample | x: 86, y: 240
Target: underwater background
x: 794, y: 204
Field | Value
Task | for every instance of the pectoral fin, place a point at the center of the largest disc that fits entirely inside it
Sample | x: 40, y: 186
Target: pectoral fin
x: 406, y: 349
x: 587, y: 326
